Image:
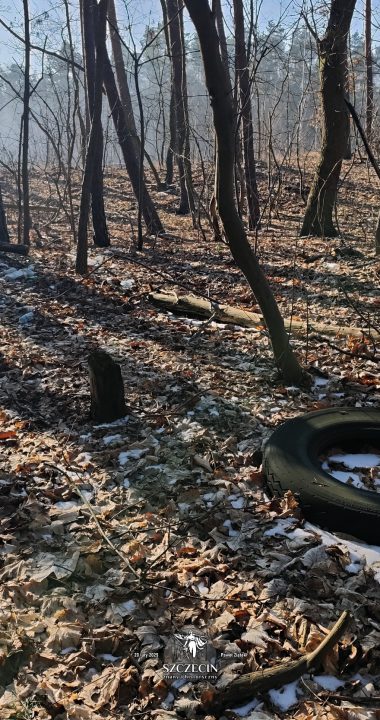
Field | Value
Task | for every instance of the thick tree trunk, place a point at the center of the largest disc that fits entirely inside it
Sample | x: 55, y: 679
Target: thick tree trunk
x: 245, y: 258
x: 88, y: 16
x: 242, y: 73
x: 368, y: 68
x: 127, y: 145
x: 25, y: 131
x: 175, y: 19
x: 172, y: 121
x: 332, y: 48
x: 92, y: 157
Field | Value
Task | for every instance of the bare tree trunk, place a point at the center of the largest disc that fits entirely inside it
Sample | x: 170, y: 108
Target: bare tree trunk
x: 223, y: 114
x: 89, y: 11
x: 242, y: 73
x: 368, y: 68
x: 172, y: 120
x: 172, y: 141
x: 348, y: 153
x: 123, y: 87
x: 71, y: 134
x: 149, y: 211
x: 92, y: 157
x: 175, y: 20
x: 25, y: 131
x: 222, y: 39
x: 332, y: 49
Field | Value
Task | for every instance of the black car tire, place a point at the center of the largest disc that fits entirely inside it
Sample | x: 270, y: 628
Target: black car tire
x: 291, y: 462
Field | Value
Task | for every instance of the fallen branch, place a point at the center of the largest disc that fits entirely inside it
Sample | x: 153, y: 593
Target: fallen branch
x: 248, y: 686
x: 13, y: 248
x: 236, y: 316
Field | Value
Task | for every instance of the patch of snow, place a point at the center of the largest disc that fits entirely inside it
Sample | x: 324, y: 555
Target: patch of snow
x: 183, y: 506
x: 213, y: 411
x: 207, y: 404
x: 356, y: 460
x: 368, y: 554
x: 115, y: 423
x: 67, y: 505
x: 328, y: 682
x: 280, y: 527
x: 109, y: 658
x: 110, y: 439
x: 285, y: 697
x: 127, y: 284
x: 208, y: 497
x: 243, y: 710
x: 134, y: 454
x: 236, y: 502
x: 18, y: 274
x: 231, y: 531
x: 320, y: 382
x: 344, y: 476
x: 189, y: 321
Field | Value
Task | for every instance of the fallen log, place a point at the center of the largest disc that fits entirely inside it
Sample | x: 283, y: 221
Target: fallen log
x: 192, y: 305
x: 246, y: 687
x: 14, y: 248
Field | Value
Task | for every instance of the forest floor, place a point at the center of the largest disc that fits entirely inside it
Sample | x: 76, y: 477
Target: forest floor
x: 113, y: 537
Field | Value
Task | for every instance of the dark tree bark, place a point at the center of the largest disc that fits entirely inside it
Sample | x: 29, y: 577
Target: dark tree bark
x: 92, y: 157
x: 245, y: 258
x: 107, y: 388
x: 348, y: 153
x: 242, y: 74
x: 332, y: 50
x: 222, y: 40
x: 127, y: 145
x: 25, y: 131
x: 89, y: 11
x: 182, y: 149
x: 368, y: 68
x: 4, y: 235
x: 172, y: 119
x: 172, y: 141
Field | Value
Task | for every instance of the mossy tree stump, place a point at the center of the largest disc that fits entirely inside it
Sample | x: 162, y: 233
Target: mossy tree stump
x: 107, y: 388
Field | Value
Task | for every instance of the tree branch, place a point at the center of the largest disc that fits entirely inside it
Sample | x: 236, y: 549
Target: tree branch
x: 247, y: 686
x: 43, y: 50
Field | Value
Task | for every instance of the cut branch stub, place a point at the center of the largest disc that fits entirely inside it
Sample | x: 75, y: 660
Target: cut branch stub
x: 107, y: 388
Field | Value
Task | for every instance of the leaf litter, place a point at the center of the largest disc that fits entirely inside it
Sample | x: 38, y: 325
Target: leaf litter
x: 114, y: 535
